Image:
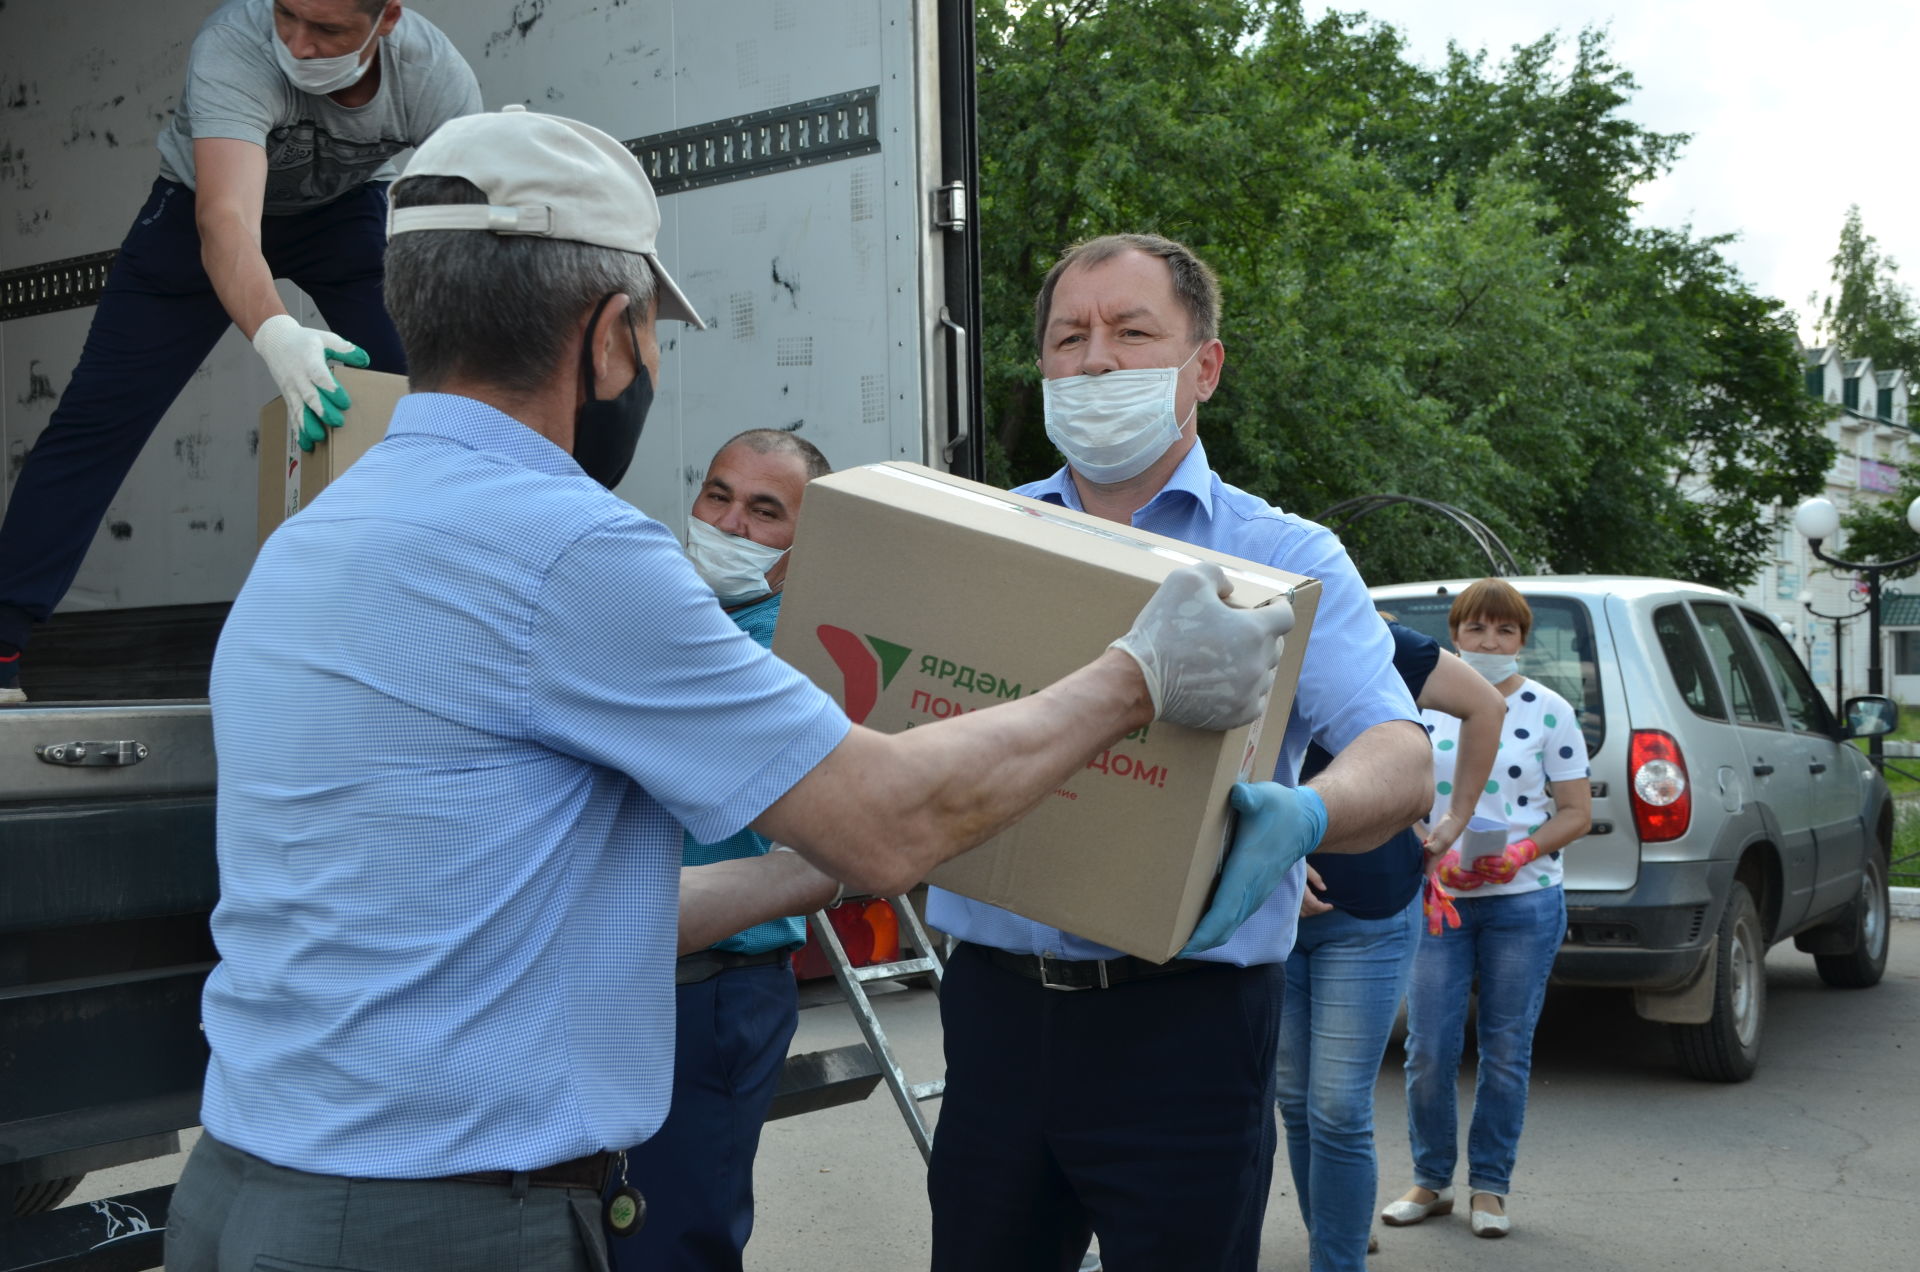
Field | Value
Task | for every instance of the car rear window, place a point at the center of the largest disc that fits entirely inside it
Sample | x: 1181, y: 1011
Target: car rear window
x: 1687, y: 660
x: 1558, y: 653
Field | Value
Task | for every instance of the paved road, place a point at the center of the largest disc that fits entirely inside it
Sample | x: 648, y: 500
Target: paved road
x: 1626, y: 1165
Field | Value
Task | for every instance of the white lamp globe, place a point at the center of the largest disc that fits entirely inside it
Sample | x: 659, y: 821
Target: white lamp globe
x: 1819, y: 519
x: 1913, y: 515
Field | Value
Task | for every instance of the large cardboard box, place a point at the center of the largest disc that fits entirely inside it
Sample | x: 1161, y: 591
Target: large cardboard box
x: 913, y: 595
x: 291, y: 477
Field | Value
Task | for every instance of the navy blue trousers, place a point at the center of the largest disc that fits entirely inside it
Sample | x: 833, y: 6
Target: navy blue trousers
x: 697, y: 1172
x: 157, y: 321
x: 1143, y: 1113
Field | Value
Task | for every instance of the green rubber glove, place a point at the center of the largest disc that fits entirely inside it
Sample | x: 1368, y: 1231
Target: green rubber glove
x: 298, y: 359
x: 334, y: 401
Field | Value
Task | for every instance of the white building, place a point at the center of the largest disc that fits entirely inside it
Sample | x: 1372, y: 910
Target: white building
x: 1873, y: 442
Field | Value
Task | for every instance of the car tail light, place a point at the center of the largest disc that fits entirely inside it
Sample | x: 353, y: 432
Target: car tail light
x: 869, y: 932
x: 1661, y: 795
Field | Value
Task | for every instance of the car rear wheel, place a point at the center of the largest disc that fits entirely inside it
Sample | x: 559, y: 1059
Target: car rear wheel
x: 1727, y: 1047
x: 1870, y: 917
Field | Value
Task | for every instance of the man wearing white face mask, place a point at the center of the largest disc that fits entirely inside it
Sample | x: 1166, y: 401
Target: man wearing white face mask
x: 1140, y: 1110
x: 735, y: 1002
x: 274, y: 165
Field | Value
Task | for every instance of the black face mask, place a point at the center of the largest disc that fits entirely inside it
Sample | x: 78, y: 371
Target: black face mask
x: 606, y: 431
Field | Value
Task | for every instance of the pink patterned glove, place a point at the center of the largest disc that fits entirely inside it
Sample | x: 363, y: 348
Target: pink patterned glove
x: 1503, y: 868
x: 1456, y: 876
x: 1438, y: 906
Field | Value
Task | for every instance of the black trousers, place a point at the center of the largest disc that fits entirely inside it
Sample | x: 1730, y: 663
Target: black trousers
x: 1143, y: 1113
x: 157, y: 321
x: 729, y: 1046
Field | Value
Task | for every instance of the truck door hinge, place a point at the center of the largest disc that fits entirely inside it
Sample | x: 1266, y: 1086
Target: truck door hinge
x: 950, y: 206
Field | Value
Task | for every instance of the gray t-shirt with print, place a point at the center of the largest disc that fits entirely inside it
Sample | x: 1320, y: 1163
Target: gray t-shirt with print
x: 317, y: 150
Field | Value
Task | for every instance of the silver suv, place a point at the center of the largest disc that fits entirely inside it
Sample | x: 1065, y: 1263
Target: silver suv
x: 1729, y: 809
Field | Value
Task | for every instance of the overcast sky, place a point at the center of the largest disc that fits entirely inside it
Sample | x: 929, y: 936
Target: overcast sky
x: 1796, y: 110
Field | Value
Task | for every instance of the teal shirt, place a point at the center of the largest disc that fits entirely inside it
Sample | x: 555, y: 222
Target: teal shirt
x: 756, y: 620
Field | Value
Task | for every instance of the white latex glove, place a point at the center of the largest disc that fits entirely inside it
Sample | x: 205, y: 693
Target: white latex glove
x: 1207, y: 665
x: 298, y: 356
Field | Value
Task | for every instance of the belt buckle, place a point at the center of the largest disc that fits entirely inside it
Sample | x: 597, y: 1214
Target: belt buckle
x: 1046, y: 982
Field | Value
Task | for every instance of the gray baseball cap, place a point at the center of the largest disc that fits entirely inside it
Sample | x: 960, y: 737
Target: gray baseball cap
x: 546, y: 176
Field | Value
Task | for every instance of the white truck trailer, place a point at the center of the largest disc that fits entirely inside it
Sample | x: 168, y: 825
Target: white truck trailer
x: 815, y: 165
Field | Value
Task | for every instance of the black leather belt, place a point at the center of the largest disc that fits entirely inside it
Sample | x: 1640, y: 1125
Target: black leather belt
x: 591, y: 1171
x: 704, y: 965
x: 1101, y: 973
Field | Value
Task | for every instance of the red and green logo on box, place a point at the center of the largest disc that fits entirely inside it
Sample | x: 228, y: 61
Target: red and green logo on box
x: 867, y: 665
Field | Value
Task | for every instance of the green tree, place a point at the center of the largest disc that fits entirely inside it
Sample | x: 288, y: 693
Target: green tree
x: 1431, y: 282
x: 1870, y: 314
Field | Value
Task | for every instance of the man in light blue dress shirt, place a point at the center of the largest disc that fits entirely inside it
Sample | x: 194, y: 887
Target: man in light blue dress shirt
x: 466, y: 705
x: 1138, y: 1105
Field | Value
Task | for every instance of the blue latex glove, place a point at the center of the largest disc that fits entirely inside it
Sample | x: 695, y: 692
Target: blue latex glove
x: 1279, y: 825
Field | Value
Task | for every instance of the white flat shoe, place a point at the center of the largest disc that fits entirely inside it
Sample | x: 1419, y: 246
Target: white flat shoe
x: 1401, y: 1213
x: 1488, y: 1224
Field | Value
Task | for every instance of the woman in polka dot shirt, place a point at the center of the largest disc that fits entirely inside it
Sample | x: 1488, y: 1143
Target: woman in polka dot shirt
x: 1512, y: 915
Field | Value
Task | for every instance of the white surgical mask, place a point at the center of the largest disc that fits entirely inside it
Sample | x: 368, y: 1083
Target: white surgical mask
x: 323, y: 75
x: 734, y: 567
x: 1494, y: 668
x: 1114, y: 427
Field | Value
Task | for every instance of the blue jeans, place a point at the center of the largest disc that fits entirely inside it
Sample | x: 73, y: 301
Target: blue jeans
x: 1508, y: 943
x: 1345, y: 979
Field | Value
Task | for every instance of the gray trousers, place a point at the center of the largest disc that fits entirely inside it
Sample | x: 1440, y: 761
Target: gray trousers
x: 233, y: 1212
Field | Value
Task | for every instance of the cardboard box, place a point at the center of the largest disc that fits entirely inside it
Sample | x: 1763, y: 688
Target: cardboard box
x: 912, y: 595
x: 291, y: 477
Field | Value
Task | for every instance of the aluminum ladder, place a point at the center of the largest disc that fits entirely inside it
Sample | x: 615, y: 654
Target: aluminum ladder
x: 853, y: 982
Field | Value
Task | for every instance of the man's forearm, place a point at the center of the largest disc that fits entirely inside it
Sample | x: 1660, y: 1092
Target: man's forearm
x: 899, y: 805
x: 1376, y: 787
x: 230, y: 253
x: 731, y: 896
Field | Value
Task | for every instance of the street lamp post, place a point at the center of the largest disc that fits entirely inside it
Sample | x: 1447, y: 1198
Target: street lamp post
x: 1818, y: 520
x: 1839, y: 659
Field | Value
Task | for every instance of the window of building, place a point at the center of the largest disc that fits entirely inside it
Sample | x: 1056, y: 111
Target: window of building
x: 1906, y: 653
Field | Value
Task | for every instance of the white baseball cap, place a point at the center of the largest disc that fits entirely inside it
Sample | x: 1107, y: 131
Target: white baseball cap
x: 545, y: 176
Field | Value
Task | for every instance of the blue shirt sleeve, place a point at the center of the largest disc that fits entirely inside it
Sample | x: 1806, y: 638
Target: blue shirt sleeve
x: 1347, y: 681
x: 634, y: 667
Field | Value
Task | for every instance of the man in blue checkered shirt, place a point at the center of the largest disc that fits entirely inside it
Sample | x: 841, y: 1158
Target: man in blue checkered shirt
x: 465, y: 707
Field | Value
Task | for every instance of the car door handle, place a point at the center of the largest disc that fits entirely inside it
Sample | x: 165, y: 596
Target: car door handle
x: 1816, y: 767
x: 1763, y: 770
